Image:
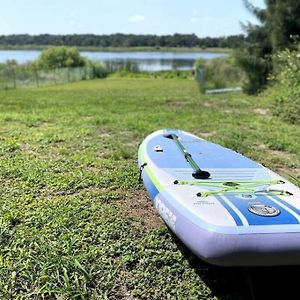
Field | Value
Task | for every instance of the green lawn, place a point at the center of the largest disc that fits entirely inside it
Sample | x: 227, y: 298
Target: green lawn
x: 74, y: 221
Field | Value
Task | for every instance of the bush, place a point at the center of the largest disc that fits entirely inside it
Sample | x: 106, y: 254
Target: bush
x: 60, y: 57
x: 220, y: 73
x: 98, y: 70
x: 286, y: 90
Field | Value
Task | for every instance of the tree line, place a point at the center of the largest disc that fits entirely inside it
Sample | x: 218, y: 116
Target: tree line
x: 279, y: 29
x: 123, y: 40
x: 271, y: 56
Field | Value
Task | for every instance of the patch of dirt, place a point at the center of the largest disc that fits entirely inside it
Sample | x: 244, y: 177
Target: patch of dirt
x: 83, y: 116
x: 229, y: 111
x: 208, y: 104
x: 261, y: 111
x: 207, y: 134
x: 104, y: 134
x: 124, y: 294
x: 289, y: 171
x: 221, y: 106
x: 90, y: 168
x: 177, y: 103
x: 277, y: 153
x: 139, y: 208
x: 262, y: 146
x: 133, y: 144
x: 284, y: 171
x: 27, y: 148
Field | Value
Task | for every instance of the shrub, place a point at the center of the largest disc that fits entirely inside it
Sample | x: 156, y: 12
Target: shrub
x: 220, y: 72
x: 286, y: 90
x: 128, y: 67
x: 60, y: 57
x: 98, y: 70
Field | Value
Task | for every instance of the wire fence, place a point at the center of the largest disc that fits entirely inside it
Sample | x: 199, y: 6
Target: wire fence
x: 214, y: 83
x: 11, y: 78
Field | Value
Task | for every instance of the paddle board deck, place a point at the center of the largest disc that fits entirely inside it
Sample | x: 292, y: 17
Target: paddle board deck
x: 242, y: 215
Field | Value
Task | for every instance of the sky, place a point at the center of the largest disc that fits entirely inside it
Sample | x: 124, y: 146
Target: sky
x: 203, y: 17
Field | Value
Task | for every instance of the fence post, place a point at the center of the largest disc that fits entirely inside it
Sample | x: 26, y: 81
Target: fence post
x: 200, y: 80
x: 13, y: 72
x: 36, y: 75
x: 68, y: 74
x: 54, y: 76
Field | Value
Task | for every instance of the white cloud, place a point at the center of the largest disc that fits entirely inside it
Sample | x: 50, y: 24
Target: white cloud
x: 137, y: 18
x: 193, y: 19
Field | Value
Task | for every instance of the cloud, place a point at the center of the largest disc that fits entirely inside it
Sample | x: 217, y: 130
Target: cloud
x: 137, y: 18
x: 193, y: 19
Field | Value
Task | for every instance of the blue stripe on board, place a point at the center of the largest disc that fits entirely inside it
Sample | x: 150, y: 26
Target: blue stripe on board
x: 243, y: 204
x: 291, y: 207
x: 149, y: 185
x: 235, y: 216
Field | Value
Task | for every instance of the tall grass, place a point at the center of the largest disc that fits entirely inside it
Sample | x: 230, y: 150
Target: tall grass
x: 220, y: 73
x: 285, y: 90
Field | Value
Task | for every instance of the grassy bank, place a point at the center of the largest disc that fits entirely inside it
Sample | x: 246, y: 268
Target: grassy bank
x: 122, y: 49
x: 76, y: 224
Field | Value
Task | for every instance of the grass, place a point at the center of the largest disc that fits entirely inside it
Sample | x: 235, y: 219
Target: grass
x: 76, y: 224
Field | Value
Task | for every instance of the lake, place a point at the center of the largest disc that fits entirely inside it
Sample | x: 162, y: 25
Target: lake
x: 146, y: 61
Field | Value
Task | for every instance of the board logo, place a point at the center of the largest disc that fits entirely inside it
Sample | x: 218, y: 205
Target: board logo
x: 264, y: 210
x: 165, y: 213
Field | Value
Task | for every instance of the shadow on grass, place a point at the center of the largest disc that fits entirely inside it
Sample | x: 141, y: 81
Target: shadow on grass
x: 241, y: 283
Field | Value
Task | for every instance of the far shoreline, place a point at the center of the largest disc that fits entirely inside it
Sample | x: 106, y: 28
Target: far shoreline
x: 121, y: 49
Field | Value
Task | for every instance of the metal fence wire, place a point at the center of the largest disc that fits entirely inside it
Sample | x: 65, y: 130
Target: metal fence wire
x: 11, y: 78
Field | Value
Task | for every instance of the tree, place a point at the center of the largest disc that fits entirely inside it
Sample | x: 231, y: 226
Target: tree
x: 283, y: 21
x: 278, y: 22
x: 60, y: 57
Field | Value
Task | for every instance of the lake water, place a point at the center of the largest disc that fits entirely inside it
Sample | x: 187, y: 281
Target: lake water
x: 146, y: 61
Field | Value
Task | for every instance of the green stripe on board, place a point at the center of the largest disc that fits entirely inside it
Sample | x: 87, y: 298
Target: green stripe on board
x: 148, y: 171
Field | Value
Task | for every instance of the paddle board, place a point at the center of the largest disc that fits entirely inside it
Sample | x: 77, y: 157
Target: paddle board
x: 226, y: 208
